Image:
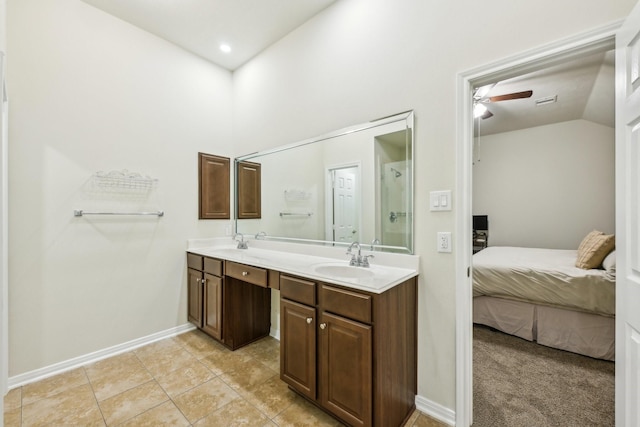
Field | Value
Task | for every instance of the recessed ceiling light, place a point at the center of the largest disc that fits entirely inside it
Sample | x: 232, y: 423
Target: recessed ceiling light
x: 225, y: 48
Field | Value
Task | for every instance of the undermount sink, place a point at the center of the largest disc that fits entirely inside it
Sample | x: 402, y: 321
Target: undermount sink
x: 344, y: 271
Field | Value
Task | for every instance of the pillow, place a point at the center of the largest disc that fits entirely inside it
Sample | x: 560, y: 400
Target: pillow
x: 609, y: 262
x: 594, y: 248
x: 587, y: 240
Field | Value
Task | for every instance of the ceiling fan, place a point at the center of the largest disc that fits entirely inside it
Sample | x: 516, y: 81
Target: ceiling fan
x: 480, y: 100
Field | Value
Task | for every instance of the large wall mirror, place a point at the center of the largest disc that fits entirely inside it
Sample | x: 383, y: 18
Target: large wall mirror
x: 351, y: 185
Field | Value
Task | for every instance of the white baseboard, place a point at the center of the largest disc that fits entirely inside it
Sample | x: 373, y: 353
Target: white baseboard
x: 275, y: 333
x: 67, y: 365
x: 436, y: 410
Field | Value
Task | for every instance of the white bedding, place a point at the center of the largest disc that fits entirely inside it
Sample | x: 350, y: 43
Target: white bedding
x: 542, y: 276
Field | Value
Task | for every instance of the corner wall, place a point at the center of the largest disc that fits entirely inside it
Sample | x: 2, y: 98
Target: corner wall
x: 359, y: 60
x: 92, y: 93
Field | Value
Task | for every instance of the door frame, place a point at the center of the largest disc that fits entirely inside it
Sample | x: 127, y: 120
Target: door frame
x: 590, y: 42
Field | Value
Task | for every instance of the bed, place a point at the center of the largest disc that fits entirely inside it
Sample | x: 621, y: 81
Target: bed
x: 540, y: 295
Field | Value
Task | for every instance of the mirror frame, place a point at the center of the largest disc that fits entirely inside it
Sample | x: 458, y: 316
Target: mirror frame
x: 407, y: 116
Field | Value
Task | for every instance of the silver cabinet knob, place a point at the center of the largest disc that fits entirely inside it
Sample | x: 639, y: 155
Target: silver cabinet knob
x: 204, y: 281
x: 309, y: 320
x: 245, y: 273
x: 323, y: 325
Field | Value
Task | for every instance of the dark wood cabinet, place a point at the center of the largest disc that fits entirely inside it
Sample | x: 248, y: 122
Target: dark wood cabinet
x: 298, y: 357
x: 357, y: 357
x: 194, y: 291
x: 213, y: 187
x: 212, y: 313
x: 346, y: 369
x: 249, y: 190
x: 223, y: 305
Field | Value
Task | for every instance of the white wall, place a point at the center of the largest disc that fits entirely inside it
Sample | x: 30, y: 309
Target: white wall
x: 90, y: 92
x: 4, y: 291
x: 548, y: 186
x: 363, y: 59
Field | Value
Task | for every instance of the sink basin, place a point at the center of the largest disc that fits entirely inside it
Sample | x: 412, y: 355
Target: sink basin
x: 344, y: 271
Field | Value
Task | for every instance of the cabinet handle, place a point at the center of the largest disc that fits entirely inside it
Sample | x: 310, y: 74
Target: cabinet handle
x: 245, y: 273
x: 204, y: 281
x: 323, y: 325
x: 309, y: 320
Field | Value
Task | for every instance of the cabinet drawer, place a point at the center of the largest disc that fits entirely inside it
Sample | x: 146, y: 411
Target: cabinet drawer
x: 300, y: 290
x: 354, y: 305
x: 194, y: 261
x: 247, y: 273
x: 213, y: 266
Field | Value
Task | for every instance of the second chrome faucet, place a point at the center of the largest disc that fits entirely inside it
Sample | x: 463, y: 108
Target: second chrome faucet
x: 358, y: 259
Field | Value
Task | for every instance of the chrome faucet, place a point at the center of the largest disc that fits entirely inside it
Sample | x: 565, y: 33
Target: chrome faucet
x: 375, y: 241
x: 261, y: 235
x: 358, y: 259
x: 241, y: 243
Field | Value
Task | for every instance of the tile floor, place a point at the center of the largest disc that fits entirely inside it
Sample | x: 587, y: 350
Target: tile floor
x: 187, y: 380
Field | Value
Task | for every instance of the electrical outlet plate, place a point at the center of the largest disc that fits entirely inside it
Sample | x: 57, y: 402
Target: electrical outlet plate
x: 444, y: 241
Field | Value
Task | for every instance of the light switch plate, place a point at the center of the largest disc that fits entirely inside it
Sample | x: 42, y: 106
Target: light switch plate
x: 440, y: 200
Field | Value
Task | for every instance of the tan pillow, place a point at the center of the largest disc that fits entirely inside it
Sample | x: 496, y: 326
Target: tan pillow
x: 593, y: 249
x: 587, y: 240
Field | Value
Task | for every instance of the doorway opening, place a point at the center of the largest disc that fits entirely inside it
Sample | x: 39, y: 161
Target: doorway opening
x: 578, y: 47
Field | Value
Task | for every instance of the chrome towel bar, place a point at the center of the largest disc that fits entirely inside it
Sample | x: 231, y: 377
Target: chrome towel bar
x: 80, y: 212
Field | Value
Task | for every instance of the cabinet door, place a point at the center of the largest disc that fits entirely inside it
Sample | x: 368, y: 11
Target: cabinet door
x: 213, y: 185
x: 298, y: 347
x: 194, y: 291
x: 249, y: 190
x: 212, y: 319
x: 346, y: 369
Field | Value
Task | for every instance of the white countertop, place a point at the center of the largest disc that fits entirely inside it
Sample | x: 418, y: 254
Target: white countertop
x: 330, y: 265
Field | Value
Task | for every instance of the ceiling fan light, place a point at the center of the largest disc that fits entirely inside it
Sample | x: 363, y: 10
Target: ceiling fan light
x: 482, y: 91
x: 478, y: 110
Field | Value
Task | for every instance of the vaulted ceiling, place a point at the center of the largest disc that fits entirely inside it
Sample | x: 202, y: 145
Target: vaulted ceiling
x: 583, y: 88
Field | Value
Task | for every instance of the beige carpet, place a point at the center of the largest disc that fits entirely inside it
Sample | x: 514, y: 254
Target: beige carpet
x: 520, y: 383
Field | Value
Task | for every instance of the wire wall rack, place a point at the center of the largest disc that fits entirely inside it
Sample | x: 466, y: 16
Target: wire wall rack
x: 123, y: 181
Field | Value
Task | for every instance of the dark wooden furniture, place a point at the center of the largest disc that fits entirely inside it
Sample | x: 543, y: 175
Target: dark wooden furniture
x: 213, y: 187
x: 352, y: 353
x: 249, y: 190
x: 229, y: 301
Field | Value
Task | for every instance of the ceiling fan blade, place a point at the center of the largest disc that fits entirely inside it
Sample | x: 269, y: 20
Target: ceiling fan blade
x: 509, y: 96
x: 486, y: 115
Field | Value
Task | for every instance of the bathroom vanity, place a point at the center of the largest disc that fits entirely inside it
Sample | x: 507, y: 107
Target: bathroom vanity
x: 347, y: 334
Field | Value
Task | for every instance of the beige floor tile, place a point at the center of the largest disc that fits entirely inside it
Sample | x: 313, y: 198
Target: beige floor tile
x: 132, y: 403
x: 198, y: 343
x: 426, y: 421
x: 412, y: 419
x: 75, y: 406
x: 53, y: 385
x: 184, y: 378
x: 163, y: 362
x: 111, y: 377
x: 166, y: 414
x: 266, y: 347
x: 13, y: 417
x: 13, y: 399
x: 271, y: 397
x: 221, y: 361
x: 248, y: 375
x: 201, y: 401
x: 162, y: 346
x: 304, y: 414
x: 234, y: 414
